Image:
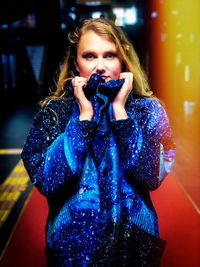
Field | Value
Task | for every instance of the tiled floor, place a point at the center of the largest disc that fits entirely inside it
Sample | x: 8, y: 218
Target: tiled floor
x: 14, y: 182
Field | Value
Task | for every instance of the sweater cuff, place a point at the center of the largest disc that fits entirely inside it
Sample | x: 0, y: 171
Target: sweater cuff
x: 87, y: 128
x: 122, y: 129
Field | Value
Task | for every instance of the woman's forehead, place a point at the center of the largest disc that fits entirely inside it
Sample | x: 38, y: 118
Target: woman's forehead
x: 92, y: 39
x: 107, y: 35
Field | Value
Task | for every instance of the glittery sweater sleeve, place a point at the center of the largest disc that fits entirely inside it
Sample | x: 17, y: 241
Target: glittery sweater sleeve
x: 55, y: 148
x: 146, y: 143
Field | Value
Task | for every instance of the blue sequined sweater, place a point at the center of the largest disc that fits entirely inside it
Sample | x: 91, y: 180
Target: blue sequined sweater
x: 97, y: 175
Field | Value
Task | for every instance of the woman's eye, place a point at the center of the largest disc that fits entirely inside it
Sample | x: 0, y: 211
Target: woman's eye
x: 88, y: 56
x: 111, y: 55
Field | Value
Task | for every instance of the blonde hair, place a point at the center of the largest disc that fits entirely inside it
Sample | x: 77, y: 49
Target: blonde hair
x: 126, y: 52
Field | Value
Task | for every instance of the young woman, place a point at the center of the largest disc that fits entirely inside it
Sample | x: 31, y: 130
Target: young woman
x: 96, y: 149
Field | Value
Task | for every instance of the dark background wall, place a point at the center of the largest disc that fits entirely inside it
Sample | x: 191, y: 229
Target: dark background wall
x: 28, y: 24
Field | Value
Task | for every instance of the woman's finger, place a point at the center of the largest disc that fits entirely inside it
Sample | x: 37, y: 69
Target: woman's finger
x: 78, y: 83
x: 85, y: 106
x: 128, y: 76
x: 125, y: 90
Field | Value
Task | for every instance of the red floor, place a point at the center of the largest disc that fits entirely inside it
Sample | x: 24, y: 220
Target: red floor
x: 179, y: 226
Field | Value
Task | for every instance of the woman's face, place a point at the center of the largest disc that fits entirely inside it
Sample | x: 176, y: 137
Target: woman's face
x: 96, y: 54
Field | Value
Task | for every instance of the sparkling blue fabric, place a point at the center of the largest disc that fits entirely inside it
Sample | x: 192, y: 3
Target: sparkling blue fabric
x: 105, y: 92
x: 96, y: 176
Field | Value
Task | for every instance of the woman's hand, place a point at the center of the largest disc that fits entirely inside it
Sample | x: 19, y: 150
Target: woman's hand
x: 85, y: 106
x: 119, y: 102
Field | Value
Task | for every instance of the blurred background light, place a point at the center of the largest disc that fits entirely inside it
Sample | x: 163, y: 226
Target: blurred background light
x: 154, y: 14
x: 4, y: 26
x: 93, y: 3
x: 125, y: 16
x: 131, y: 16
x: 96, y: 15
x: 72, y: 15
x: 63, y: 26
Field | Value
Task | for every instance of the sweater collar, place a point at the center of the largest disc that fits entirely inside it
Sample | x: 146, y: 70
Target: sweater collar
x: 99, y: 92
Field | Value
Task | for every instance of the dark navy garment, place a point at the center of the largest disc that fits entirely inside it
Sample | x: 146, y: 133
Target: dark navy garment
x: 96, y: 176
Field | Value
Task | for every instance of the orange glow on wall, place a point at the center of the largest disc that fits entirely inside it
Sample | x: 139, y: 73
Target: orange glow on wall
x: 174, y: 36
x: 176, y: 50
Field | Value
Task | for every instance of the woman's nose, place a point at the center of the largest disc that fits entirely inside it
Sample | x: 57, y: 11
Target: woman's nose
x: 100, y: 68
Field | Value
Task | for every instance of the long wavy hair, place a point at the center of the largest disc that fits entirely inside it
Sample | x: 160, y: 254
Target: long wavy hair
x: 126, y: 52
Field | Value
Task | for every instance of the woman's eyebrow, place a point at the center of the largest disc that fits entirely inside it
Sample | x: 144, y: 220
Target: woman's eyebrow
x: 111, y: 51
x: 91, y: 51
x: 88, y: 51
